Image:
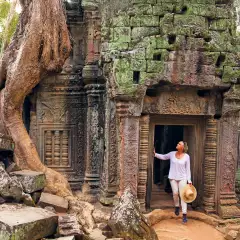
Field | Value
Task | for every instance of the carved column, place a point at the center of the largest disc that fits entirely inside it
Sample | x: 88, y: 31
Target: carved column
x: 95, y: 140
x: 110, y: 175
x: 128, y: 147
x: 143, y: 161
x: 228, y: 155
x: 210, y: 166
x: 95, y: 92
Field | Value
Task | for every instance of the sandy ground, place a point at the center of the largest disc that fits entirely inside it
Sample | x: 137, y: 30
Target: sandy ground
x: 174, y: 229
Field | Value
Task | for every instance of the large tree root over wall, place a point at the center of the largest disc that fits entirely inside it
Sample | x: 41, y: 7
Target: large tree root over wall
x: 40, y: 46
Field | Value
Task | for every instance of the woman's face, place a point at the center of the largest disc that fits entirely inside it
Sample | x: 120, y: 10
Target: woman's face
x: 180, y: 146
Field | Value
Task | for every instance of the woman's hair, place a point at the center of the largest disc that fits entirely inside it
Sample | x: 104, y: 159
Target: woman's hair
x: 185, y: 147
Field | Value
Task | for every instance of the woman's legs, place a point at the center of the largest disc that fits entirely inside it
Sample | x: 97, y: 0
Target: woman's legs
x: 174, y: 185
x: 181, y: 185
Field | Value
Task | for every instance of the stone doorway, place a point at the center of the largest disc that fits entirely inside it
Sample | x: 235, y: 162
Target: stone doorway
x: 165, y: 132
x: 165, y: 139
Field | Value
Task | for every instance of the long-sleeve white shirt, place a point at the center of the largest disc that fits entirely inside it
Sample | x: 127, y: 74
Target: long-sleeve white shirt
x: 179, y: 168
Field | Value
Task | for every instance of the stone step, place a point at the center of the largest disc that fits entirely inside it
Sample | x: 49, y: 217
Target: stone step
x: 26, y: 223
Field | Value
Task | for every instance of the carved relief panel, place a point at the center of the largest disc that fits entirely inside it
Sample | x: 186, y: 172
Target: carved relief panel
x: 61, y: 110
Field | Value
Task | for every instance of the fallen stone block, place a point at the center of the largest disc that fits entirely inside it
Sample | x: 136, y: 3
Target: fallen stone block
x: 68, y: 226
x: 10, y: 187
x: 231, y: 235
x: 27, y: 223
x: 127, y: 220
x: 30, y: 180
x: 60, y: 204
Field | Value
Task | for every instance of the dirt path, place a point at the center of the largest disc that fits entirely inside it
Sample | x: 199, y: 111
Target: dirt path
x: 173, y: 229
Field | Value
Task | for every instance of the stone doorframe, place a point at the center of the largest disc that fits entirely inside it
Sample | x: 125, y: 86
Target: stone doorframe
x: 197, y: 123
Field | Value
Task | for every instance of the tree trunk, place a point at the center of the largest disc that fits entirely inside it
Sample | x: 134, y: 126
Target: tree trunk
x: 40, y: 46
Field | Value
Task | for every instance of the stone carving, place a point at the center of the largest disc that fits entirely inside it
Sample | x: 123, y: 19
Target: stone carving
x: 56, y: 148
x: 210, y: 165
x: 129, y: 143
x: 143, y: 160
x: 228, y: 154
x: 95, y: 133
x: 177, y: 102
x: 110, y: 174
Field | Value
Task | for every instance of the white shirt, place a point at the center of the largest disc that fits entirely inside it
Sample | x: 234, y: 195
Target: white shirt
x: 179, y: 168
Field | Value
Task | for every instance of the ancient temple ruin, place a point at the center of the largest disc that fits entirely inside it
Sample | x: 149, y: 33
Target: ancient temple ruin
x: 142, y: 75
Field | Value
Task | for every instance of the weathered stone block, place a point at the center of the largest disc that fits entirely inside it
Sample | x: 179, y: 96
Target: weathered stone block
x: 208, y: 58
x: 232, y: 59
x: 141, y: 32
x: 68, y: 225
x: 121, y: 21
x: 122, y: 34
x: 194, y: 43
x: 230, y: 74
x: 144, y: 21
x: 158, y: 10
x: 167, y: 19
x: 60, y: 204
x: 30, y: 180
x: 138, y: 65
x: 27, y: 223
x: 220, y: 24
x: 162, y: 42
x: 127, y: 221
x: 10, y: 187
x: 120, y: 46
x: 202, y: 10
x: 145, y: 9
x: 154, y: 66
x: 190, y: 21
x: 224, y: 11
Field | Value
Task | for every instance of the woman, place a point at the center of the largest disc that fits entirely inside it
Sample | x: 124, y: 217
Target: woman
x: 179, y: 174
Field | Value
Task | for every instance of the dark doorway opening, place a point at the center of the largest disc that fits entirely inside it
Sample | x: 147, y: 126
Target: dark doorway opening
x: 166, y: 138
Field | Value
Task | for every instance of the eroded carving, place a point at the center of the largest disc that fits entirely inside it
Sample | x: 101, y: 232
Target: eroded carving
x: 178, y: 102
x: 210, y: 165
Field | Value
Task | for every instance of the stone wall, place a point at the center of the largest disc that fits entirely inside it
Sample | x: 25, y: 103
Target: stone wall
x: 185, y: 42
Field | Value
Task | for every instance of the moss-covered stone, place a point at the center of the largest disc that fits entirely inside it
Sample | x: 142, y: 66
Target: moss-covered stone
x: 154, y: 66
x: 138, y: 65
x: 122, y: 34
x: 230, y: 74
x: 219, y: 24
x: 203, y: 10
x: 121, y: 21
x: 140, y: 9
x: 140, y: 32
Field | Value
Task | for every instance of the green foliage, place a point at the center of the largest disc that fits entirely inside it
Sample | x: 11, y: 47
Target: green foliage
x: 8, y: 22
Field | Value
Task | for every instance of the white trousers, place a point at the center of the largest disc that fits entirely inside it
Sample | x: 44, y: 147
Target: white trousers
x: 177, y: 186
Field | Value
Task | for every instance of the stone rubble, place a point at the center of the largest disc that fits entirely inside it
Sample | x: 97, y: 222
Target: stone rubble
x: 69, y: 226
x: 31, y: 181
x: 60, y: 204
x: 26, y: 223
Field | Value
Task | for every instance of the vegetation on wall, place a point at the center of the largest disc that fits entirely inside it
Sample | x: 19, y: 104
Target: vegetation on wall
x: 8, y: 22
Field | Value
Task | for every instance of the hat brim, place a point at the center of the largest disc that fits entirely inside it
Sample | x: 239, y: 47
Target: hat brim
x: 184, y: 197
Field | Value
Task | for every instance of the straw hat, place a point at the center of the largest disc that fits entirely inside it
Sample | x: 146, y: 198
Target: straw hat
x: 188, y: 193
